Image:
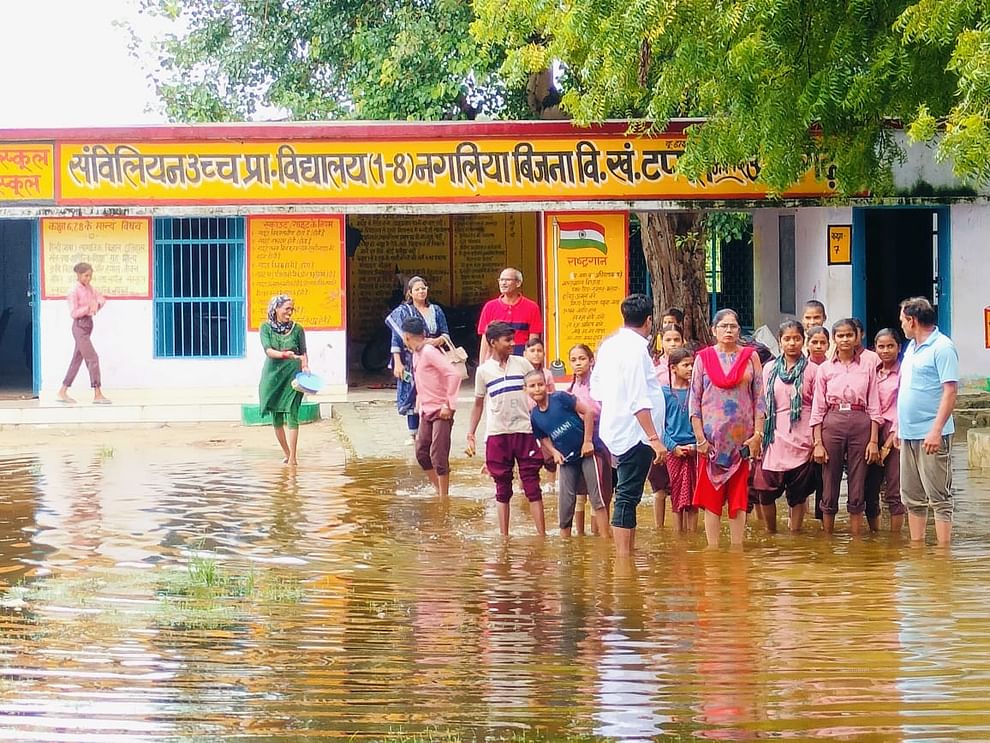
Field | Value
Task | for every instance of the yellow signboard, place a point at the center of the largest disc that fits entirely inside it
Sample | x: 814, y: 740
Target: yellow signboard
x: 27, y: 172
x: 839, y: 244
x: 118, y: 249
x: 585, y: 260
x: 580, y: 167
x: 302, y: 256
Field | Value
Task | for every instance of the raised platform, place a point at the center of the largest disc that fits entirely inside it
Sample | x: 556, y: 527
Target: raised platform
x: 145, y: 407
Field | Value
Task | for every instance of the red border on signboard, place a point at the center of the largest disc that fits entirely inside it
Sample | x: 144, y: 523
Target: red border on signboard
x: 41, y: 257
x: 343, y: 264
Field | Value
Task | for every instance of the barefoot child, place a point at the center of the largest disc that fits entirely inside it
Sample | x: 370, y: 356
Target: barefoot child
x: 682, y: 462
x: 671, y: 338
x: 787, y: 467
x: 887, y: 472
x: 437, y: 383
x: 564, y: 426
x: 582, y: 360
x: 499, y: 392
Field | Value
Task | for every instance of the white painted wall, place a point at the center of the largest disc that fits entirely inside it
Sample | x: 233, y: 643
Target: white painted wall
x: 970, y: 247
x: 123, y: 336
x: 831, y: 285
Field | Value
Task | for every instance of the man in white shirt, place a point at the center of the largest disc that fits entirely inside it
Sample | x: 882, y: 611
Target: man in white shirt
x: 632, y: 417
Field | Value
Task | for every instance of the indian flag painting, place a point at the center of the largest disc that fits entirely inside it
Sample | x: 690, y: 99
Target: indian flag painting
x: 583, y: 234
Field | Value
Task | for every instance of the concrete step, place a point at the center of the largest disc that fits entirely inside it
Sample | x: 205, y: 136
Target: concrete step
x: 970, y: 398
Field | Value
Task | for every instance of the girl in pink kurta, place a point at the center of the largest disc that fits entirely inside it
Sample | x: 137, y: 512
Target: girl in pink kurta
x: 845, y: 419
x: 727, y: 410
x: 786, y: 467
x: 84, y: 302
x: 886, y: 473
x: 582, y: 360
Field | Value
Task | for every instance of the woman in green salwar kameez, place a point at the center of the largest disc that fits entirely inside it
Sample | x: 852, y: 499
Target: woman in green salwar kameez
x: 285, y: 348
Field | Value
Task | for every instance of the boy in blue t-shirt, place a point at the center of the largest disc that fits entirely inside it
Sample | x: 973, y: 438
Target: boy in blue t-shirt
x: 564, y: 427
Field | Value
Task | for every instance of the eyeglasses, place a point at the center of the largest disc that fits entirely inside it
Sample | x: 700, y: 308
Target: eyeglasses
x: 727, y: 326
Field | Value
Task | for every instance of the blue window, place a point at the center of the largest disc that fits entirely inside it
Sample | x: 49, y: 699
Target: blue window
x: 199, y: 287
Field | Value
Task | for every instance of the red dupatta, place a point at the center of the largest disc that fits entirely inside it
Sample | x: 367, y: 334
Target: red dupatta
x: 713, y: 366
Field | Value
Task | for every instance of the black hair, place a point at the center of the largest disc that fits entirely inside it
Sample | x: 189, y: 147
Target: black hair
x: 498, y: 329
x: 635, y: 309
x: 668, y: 328
x: 920, y: 309
x: 677, y: 313
x: 414, y: 326
x: 858, y: 325
x: 790, y: 325
x: 724, y: 313
x: 846, y: 322
x: 679, y: 354
x: 584, y: 347
x: 81, y: 268
x: 535, y: 342
x: 887, y: 333
x: 812, y: 332
x: 533, y: 373
x: 817, y: 305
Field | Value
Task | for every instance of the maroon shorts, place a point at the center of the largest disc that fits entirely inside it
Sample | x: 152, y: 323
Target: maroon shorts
x: 502, y: 452
x: 735, y: 491
x: 683, y: 473
x: 797, y: 483
x: 658, y: 477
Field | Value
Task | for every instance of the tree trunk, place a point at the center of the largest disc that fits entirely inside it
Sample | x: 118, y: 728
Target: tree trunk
x: 674, y: 247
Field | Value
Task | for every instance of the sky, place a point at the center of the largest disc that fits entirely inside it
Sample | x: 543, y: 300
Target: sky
x: 64, y: 63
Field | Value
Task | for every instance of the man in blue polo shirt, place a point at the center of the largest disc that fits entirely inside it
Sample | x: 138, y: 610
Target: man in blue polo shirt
x: 929, y: 383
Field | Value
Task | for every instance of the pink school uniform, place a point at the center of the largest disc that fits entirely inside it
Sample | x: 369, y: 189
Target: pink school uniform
x: 888, y: 383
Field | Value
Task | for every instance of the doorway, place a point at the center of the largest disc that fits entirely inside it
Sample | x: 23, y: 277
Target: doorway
x: 903, y: 252
x: 17, y: 356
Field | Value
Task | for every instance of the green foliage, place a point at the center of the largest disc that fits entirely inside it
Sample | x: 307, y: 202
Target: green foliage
x: 319, y: 59
x: 786, y: 83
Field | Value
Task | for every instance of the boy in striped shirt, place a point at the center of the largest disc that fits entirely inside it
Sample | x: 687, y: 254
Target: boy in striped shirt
x: 500, y: 392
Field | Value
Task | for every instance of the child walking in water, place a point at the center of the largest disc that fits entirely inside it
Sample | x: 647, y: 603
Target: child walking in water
x: 678, y: 437
x: 582, y: 360
x: 84, y: 302
x: 498, y: 389
x: 671, y: 338
x: 564, y: 426
x: 887, y: 472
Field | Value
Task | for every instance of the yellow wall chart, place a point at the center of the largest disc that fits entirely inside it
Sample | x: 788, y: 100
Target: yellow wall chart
x: 118, y: 248
x: 585, y: 261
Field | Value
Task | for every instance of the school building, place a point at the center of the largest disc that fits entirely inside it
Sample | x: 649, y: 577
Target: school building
x: 191, y: 229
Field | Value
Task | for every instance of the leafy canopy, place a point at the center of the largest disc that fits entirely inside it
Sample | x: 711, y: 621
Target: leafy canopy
x: 322, y: 59
x: 785, y: 82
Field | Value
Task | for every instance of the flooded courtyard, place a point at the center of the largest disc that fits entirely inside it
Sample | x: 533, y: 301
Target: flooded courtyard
x: 202, y: 591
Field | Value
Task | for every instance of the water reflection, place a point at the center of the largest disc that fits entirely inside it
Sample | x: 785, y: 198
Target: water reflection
x: 413, y: 615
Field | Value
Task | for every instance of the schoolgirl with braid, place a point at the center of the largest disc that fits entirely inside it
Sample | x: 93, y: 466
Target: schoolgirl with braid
x: 787, y: 466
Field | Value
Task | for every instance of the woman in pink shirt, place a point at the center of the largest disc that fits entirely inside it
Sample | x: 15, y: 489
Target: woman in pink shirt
x: 888, y: 469
x: 845, y: 419
x: 84, y: 303
x: 789, y: 384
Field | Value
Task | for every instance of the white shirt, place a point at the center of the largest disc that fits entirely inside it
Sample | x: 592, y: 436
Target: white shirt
x: 624, y: 383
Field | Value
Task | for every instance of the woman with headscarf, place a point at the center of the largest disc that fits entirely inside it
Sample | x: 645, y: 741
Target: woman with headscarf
x: 284, y: 342
x: 417, y: 304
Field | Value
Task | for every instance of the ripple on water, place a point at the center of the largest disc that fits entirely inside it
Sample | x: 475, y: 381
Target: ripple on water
x: 184, y: 594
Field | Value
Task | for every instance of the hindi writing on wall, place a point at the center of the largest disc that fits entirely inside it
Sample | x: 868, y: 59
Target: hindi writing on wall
x: 302, y: 256
x: 118, y: 248
x: 27, y: 172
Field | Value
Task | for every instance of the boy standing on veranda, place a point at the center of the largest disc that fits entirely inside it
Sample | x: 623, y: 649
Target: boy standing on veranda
x: 437, y: 383
x: 498, y: 390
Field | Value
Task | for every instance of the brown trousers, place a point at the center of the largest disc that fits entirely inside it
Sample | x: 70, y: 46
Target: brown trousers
x: 82, y: 327
x: 845, y: 435
x: 433, y: 442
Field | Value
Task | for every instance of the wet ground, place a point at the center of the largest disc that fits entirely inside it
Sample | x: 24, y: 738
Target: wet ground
x: 169, y: 587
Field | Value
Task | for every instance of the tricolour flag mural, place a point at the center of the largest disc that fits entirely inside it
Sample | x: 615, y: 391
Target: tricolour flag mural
x: 582, y: 234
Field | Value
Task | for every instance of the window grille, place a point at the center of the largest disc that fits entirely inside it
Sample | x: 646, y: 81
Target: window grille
x: 199, y: 303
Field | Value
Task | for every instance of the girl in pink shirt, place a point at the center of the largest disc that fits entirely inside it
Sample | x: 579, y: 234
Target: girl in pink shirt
x: 888, y: 470
x: 671, y: 337
x: 845, y: 420
x: 818, y: 343
x: 84, y: 302
x: 789, y: 384
x: 582, y: 360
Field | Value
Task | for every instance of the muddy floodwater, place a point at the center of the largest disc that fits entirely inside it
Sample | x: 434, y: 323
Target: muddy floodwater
x: 205, y: 592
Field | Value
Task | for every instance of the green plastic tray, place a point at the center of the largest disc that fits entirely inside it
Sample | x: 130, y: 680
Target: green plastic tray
x: 251, y: 414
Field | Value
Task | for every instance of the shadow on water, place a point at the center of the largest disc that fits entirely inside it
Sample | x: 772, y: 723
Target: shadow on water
x: 195, y: 594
